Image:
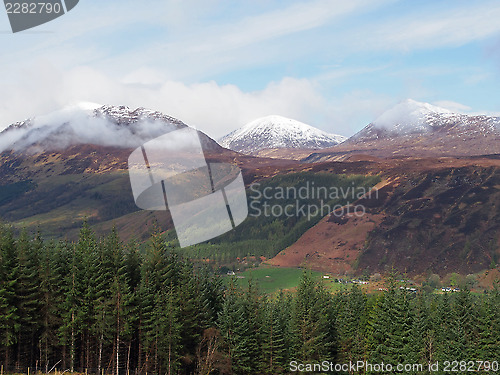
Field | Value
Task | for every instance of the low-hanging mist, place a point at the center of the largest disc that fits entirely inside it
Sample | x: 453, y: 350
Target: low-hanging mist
x: 87, y: 123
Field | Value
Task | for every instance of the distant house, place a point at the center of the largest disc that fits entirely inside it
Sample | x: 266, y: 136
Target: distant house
x: 408, y: 289
x: 230, y: 273
x: 359, y: 282
x: 326, y: 277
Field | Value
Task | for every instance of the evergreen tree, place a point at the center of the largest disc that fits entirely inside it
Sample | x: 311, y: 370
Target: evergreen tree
x: 489, y: 326
x: 464, y: 327
x: 211, y: 294
x: 27, y: 297
x: 312, y: 322
x: 276, y: 334
x: 239, y: 323
x: 9, y: 314
x: 160, y: 314
x: 352, y: 321
x: 49, y: 313
x: 389, y: 328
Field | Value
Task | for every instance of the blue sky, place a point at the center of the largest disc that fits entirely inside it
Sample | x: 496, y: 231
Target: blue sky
x: 216, y: 65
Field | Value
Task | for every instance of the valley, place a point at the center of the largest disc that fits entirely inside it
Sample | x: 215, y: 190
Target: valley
x: 430, y: 214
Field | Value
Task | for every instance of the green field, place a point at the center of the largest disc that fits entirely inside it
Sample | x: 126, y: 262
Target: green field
x: 273, y: 279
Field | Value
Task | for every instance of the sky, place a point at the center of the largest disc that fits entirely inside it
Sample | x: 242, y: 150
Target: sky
x: 218, y: 64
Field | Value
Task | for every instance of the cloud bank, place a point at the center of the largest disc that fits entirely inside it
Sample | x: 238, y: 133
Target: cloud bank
x: 78, y: 124
x: 212, y: 108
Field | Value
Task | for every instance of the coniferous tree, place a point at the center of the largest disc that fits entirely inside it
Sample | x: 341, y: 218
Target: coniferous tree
x: 211, y: 294
x: 489, y: 326
x: 160, y: 316
x: 246, y: 352
x: 444, y: 334
x: 352, y: 319
x: 276, y: 334
x: 228, y: 317
x: 27, y: 298
x: 49, y: 313
x: 464, y: 327
x: 389, y: 328
x: 421, y: 333
x: 9, y: 314
x: 312, y: 322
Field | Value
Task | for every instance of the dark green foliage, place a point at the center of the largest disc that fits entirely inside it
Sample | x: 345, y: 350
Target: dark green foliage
x: 100, y: 305
x: 237, y: 324
x: 277, y: 336
x: 389, y: 328
x: 312, y: 322
x: 9, y: 314
x: 352, y: 322
x: 489, y: 326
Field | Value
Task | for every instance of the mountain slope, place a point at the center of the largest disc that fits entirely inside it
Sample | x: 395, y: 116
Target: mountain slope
x: 428, y: 215
x: 273, y: 132
x: 57, y: 169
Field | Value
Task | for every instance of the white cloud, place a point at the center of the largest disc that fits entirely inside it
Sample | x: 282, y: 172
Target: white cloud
x: 130, y: 55
x: 77, y: 124
x: 354, y: 110
x: 212, y: 108
x: 425, y: 30
x: 316, y: 28
x: 453, y: 106
x: 292, y: 19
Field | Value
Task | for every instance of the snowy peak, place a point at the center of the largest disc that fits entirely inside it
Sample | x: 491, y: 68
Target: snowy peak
x: 409, y: 116
x: 412, y: 118
x: 89, y: 123
x: 124, y: 115
x: 273, y: 132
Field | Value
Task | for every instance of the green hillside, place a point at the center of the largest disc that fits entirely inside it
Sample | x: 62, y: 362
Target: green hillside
x: 266, y: 236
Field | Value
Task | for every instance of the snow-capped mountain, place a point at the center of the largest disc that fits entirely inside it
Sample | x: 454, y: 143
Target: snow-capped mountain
x: 273, y: 132
x: 89, y: 123
x: 415, y: 129
x: 410, y: 118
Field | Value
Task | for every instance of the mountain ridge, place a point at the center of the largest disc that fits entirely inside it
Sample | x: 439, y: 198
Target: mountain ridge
x: 410, y: 117
x: 416, y: 129
x: 89, y: 123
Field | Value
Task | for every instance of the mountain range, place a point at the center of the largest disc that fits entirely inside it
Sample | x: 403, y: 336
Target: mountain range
x: 438, y: 189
